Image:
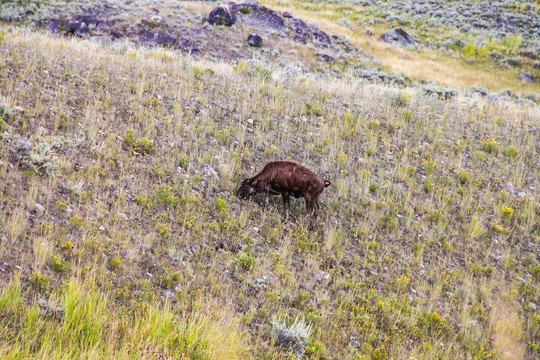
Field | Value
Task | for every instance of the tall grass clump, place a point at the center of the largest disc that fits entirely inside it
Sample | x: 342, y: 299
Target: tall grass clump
x: 92, y: 326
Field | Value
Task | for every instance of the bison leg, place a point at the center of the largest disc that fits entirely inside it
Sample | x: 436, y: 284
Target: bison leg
x: 317, y: 209
x: 266, y: 198
x: 309, y: 207
x: 285, y: 196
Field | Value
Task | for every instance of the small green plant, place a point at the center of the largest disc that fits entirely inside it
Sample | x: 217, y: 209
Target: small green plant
x: 245, y: 10
x: 7, y: 112
x: 399, y: 99
x: 143, y: 145
x: 58, y: 264
x: 511, y: 152
x: 222, y: 206
x: 40, y: 281
x: 184, y: 162
x: 115, y: 263
x: 163, y: 230
x: 490, y: 145
x: 165, y: 195
x: 294, y: 337
x: 507, y: 212
x: 463, y: 176
x: 479, y: 157
x: 402, y: 281
x: 246, y: 260
x: 374, y: 124
x: 470, y: 50
x: 342, y: 158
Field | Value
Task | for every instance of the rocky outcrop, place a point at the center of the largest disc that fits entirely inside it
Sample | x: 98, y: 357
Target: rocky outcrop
x: 224, y: 14
x: 258, y: 16
x: 398, y: 37
x: 255, y: 40
x: 526, y: 77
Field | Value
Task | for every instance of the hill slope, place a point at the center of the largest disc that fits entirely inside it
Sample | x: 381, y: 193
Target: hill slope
x: 118, y: 167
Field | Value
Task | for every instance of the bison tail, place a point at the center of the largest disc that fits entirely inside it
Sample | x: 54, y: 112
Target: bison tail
x: 327, y: 183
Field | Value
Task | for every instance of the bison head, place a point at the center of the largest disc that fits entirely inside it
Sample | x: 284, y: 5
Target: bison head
x: 246, y: 189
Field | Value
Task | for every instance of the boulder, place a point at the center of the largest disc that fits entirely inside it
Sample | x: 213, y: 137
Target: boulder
x: 325, y: 57
x: 399, y: 37
x: 255, y: 40
x: 287, y: 15
x: 222, y: 15
x: 526, y: 77
x: 259, y: 15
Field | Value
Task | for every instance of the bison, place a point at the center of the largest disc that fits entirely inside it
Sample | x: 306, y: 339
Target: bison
x: 286, y: 178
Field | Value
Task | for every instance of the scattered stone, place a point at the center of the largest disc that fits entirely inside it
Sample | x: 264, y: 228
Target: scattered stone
x: 50, y: 309
x: 479, y: 90
x: 287, y: 15
x: 39, y: 209
x: 250, y: 121
x: 533, y: 306
x: 322, y: 275
x: 528, y: 53
x: 222, y: 15
x: 441, y: 92
x: 123, y: 216
x: 399, y: 37
x: 325, y: 57
x: 370, y: 32
x: 512, y: 61
x: 526, y: 77
x: 208, y: 170
x: 255, y: 40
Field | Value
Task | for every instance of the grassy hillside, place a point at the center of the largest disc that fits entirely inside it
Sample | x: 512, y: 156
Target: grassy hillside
x: 451, y: 54
x: 121, y: 236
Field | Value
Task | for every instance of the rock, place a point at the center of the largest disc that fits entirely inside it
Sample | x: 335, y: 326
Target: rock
x: 528, y: 53
x: 533, y: 306
x: 287, y: 15
x: 39, y: 209
x: 123, y: 216
x: 322, y: 275
x: 325, y: 57
x: 250, y: 121
x: 399, y: 37
x: 526, y: 77
x: 208, y: 170
x: 478, y: 89
x: 222, y: 15
x: 255, y: 40
x: 259, y: 16
x: 536, y: 64
x: 512, y: 61
x: 302, y: 32
x: 370, y: 32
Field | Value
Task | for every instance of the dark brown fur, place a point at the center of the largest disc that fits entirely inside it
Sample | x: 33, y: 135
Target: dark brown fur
x: 286, y: 178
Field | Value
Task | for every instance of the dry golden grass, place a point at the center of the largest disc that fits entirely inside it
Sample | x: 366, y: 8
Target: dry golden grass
x: 506, y: 327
